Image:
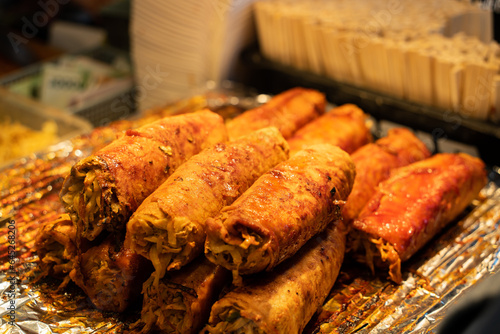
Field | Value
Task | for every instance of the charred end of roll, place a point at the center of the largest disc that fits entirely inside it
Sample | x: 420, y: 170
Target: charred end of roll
x: 237, y: 248
x: 181, y: 301
x: 109, y: 274
x: 230, y: 320
x: 375, y: 253
x: 56, y: 248
x: 90, y: 198
x: 165, y: 307
x: 169, y: 243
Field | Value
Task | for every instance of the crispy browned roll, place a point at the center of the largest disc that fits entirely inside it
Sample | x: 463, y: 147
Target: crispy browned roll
x: 169, y: 226
x: 181, y: 302
x: 375, y: 161
x: 103, y: 190
x: 344, y: 126
x: 281, y: 211
x: 56, y: 248
x: 111, y: 274
x: 287, y: 111
x: 284, y: 300
x: 415, y: 203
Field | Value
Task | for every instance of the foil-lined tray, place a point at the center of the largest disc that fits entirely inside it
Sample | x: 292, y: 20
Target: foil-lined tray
x: 464, y: 254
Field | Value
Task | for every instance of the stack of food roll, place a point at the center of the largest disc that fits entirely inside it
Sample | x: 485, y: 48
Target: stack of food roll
x: 242, y: 227
x: 104, y: 189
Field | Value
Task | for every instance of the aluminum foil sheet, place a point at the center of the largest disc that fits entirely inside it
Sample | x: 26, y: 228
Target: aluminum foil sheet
x: 466, y: 253
x: 434, y: 279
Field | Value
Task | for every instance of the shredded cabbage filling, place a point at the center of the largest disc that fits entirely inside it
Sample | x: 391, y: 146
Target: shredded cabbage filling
x: 84, y: 200
x: 387, y: 253
x: 56, y: 259
x: 164, y: 309
x: 90, y: 206
x: 231, y: 321
x: 168, y: 242
x: 247, y: 253
x: 378, y: 252
x: 106, y: 283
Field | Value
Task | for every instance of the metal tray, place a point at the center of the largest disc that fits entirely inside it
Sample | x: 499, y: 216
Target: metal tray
x: 465, y: 253
x: 32, y: 115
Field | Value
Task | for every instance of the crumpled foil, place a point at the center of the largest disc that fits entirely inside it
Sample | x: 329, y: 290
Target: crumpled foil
x: 464, y: 254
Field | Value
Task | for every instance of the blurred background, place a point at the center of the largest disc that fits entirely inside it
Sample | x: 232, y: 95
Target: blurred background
x: 36, y: 21
x: 430, y: 65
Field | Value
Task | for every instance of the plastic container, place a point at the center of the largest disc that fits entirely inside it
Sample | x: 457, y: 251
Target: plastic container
x: 99, y: 112
x: 32, y: 114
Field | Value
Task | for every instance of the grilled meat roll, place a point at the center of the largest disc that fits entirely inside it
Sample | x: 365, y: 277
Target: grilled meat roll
x: 284, y: 300
x: 181, y: 301
x: 169, y: 226
x: 99, y: 193
x: 287, y: 111
x: 56, y: 248
x: 375, y: 161
x: 344, y: 126
x: 111, y: 274
x: 281, y: 211
x: 414, y: 204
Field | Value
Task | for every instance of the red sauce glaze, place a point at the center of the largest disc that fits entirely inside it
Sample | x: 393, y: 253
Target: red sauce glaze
x: 418, y: 200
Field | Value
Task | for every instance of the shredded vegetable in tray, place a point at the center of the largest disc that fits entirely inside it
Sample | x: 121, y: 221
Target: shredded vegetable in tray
x: 17, y: 140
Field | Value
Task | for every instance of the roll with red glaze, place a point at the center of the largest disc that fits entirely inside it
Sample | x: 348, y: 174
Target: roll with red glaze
x: 375, y: 161
x: 288, y: 111
x: 344, y: 126
x: 414, y: 204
